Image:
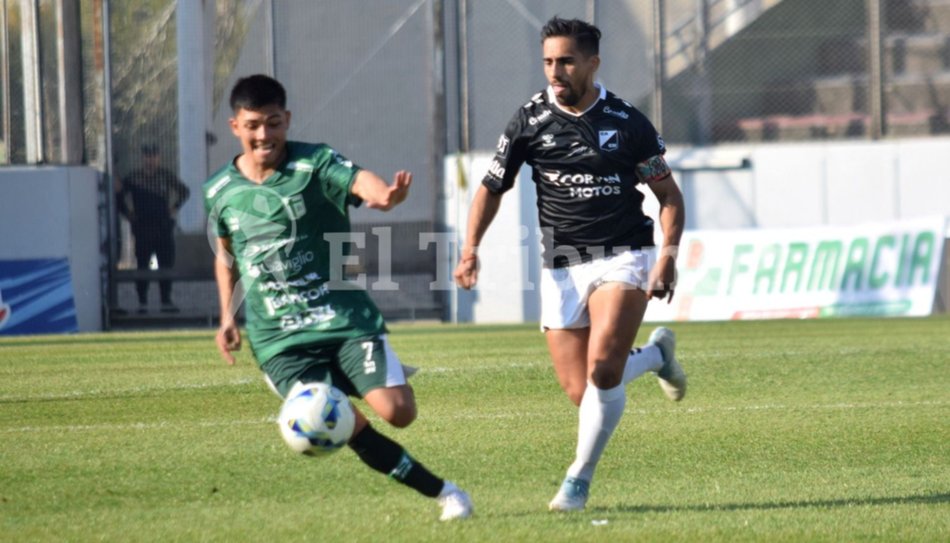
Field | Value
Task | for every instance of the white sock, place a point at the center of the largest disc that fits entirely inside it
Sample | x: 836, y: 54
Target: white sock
x: 598, y: 416
x: 642, y: 360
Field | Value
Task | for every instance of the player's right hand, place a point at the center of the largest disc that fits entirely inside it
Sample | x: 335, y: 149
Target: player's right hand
x: 228, y: 339
x: 466, y: 273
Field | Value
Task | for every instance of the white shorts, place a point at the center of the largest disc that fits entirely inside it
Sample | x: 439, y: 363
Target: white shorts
x: 564, y: 291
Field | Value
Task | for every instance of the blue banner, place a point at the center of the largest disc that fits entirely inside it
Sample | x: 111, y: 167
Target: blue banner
x: 36, y: 297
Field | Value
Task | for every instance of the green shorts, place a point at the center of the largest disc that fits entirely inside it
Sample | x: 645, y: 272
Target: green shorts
x: 355, y: 366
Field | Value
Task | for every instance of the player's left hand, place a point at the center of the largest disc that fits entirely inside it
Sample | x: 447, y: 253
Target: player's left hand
x: 662, y: 280
x: 395, y: 193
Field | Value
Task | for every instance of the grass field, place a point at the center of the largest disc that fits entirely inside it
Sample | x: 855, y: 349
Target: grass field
x: 831, y: 430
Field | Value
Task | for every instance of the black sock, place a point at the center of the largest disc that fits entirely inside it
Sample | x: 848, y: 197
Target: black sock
x: 386, y: 456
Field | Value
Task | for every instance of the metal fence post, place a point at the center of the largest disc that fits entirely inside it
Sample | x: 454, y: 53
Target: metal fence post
x: 659, y: 62
x: 32, y: 82
x: 270, y: 49
x: 69, y: 62
x: 5, y: 81
x: 876, y: 108
x: 104, y: 62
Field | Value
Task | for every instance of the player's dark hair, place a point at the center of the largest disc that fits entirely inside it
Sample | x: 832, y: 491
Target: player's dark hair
x: 586, y: 35
x: 256, y: 92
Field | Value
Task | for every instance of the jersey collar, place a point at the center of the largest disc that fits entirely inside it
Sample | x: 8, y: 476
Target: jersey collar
x: 553, y: 99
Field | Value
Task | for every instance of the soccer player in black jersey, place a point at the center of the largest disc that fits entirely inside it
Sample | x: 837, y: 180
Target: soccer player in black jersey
x: 588, y: 151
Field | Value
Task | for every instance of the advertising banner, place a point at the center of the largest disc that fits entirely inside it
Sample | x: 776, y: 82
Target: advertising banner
x: 879, y: 269
x: 36, y: 297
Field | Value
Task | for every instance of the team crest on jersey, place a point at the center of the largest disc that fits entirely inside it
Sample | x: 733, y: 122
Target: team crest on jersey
x: 296, y: 206
x: 609, y: 140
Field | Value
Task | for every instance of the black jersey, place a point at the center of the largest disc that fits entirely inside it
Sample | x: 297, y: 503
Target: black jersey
x: 585, y: 169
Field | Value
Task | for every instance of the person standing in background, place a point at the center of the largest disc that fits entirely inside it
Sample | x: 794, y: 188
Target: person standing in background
x: 151, y: 197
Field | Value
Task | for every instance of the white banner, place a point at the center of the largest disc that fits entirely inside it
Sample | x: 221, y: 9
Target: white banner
x: 879, y: 269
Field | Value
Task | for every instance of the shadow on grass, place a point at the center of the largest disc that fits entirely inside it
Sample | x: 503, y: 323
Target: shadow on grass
x: 767, y: 506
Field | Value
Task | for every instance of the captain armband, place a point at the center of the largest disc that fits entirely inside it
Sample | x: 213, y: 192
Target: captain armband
x: 653, y: 169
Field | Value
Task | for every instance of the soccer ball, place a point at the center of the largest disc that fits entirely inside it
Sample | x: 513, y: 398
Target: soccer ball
x: 316, y: 419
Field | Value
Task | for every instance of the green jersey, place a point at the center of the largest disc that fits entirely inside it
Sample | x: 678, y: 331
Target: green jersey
x: 281, y: 232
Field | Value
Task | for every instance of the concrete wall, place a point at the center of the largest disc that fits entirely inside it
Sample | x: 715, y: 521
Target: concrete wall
x: 812, y: 184
x: 52, y: 212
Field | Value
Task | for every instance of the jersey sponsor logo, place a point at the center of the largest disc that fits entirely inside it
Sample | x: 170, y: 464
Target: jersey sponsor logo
x: 502, y: 146
x: 609, y: 140
x: 496, y: 170
x: 548, y: 140
x: 275, y: 286
x: 300, y: 166
x: 269, y: 247
x: 274, y: 303
x: 616, y: 113
x: 561, y: 179
x: 584, y: 186
x: 539, y: 117
x: 274, y: 265
x: 311, y: 317
x: 216, y: 188
x: 585, y: 193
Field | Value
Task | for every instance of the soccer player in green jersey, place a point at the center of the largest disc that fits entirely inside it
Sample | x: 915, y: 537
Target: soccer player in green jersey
x: 273, y: 212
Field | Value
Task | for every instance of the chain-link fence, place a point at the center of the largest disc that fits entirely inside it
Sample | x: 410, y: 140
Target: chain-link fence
x: 398, y: 84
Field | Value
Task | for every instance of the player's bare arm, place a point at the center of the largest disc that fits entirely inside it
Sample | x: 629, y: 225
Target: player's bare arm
x: 226, y: 276
x: 672, y: 217
x: 484, y: 208
x: 371, y: 188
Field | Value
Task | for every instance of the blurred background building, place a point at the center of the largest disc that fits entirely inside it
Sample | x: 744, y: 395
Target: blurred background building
x: 399, y: 84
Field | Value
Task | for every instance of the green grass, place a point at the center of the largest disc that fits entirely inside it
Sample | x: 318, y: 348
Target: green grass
x: 831, y: 430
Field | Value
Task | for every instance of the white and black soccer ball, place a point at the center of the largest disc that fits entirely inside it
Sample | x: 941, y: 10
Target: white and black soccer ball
x: 316, y: 419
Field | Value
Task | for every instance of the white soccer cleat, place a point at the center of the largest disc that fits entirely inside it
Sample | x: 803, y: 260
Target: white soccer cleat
x: 572, y: 496
x: 454, y: 502
x: 671, y: 376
